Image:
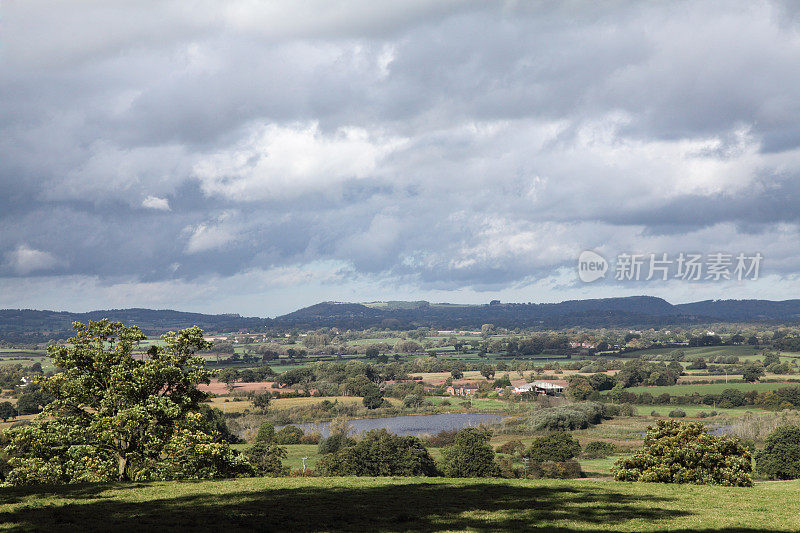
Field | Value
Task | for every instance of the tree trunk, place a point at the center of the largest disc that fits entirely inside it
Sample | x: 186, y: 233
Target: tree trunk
x: 122, y: 467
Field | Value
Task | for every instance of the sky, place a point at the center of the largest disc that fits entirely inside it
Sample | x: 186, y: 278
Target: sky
x: 257, y: 157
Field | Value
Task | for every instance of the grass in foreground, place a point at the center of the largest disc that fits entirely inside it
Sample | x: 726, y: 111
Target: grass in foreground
x: 401, y: 504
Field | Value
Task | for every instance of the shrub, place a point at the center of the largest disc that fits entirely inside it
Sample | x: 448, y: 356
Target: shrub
x: 655, y: 413
x: 444, y: 403
x: 626, y: 409
x: 441, y: 439
x: 677, y: 452
x: 266, y: 433
x: 310, y: 438
x: 569, y: 417
x: 334, y: 443
x: 373, y: 399
x: 261, y: 400
x: 470, y: 455
x: 507, y: 468
x: 511, y: 447
x: 412, y: 400
x: 380, y: 453
x: 598, y: 449
x: 289, y: 435
x: 780, y: 458
x: 7, y: 410
x: 561, y: 469
x: 555, y: 447
x: 677, y: 413
x: 704, y: 414
x: 265, y: 458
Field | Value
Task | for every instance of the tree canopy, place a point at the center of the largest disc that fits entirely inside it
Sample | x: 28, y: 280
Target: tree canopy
x: 380, y: 453
x: 677, y: 452
x: 780, y: 458
x: 470, y: 455
x: 117, y: 416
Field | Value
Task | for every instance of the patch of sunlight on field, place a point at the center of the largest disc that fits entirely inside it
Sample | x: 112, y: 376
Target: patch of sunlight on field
x: 288, y: 403
x: 694, y: 410
x: 227, y: 404
x: 296, y: 452
x: 709, y: 388
x: 594, y: 467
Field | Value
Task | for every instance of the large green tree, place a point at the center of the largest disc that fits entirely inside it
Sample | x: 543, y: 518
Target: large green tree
x: 677, y: 452
x: 120, y: 416
x: 380, y: 453
x: 470, y: 455
x: 780, y: 458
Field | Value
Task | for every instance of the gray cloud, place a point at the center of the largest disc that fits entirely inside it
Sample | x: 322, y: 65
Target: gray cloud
x: 437, y: 147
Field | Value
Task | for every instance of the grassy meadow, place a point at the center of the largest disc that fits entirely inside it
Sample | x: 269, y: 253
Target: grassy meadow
x: 709, y: 388
x: 400, y: 504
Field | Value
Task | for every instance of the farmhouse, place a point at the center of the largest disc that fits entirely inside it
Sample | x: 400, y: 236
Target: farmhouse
x: 464, y: 390
x: 550, y: 388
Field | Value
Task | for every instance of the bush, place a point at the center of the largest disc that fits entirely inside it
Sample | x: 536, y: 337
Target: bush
x: 511, y: 447
x: 441, y: 439
x: 261, y: 400
x: 626, y: 409
x: 266, y: 433
x: 598, y: 449
x: 780, y: 458
x: 7, y: 410
x: 412, y: 400
x: 556, y: 447
x: 655, y: 413
x: 380, y: 453
x: 677, y: 413
x: 569, y: 417
x: 507, y: 468
x: 560, y: 469
x: 265, y: 458
x: 677, y: 452
x: 310, y: 438
x: 704, y: 414
x: 334, y: 443
x: 373, y: 399
x: 289, y: 435
x: 470, y: 455
x: 445, y: 403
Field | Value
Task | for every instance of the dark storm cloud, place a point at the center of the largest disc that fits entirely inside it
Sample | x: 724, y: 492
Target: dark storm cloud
x: 438, y: 144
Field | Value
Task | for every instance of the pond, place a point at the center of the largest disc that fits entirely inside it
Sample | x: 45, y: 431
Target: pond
x: 411, y: 424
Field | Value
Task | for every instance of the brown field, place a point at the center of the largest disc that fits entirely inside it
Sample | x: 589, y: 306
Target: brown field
x: 225, y: 405
x: 219, y: 387
x: 6, y: 425
x: 288, y: 403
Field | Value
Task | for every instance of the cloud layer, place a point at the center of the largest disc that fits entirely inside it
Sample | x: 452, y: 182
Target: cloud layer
x: 364, y: 150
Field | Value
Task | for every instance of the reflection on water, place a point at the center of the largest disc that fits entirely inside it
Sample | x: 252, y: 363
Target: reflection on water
x: 412, y: 424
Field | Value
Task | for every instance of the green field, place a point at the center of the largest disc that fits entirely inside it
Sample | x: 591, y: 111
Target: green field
x: 400, y: 504
x: 704, y: 351
x: 710, y: 388
x: 693, y: 410
x: 743, y: 352
x: 296, y: 452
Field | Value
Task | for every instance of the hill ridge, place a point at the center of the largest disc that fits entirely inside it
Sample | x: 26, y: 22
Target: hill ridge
x: 629, y: 311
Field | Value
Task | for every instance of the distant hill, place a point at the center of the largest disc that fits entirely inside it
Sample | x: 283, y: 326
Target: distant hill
x: 605, y: 312
x: 744, y: 310
x: 26, y: 325
x: 637, y: 311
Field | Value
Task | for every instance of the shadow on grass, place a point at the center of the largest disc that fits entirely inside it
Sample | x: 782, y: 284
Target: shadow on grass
x: 78, y: 491
x: 404, y: 507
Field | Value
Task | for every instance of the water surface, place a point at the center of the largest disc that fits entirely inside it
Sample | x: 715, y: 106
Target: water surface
x: 411, y: 424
